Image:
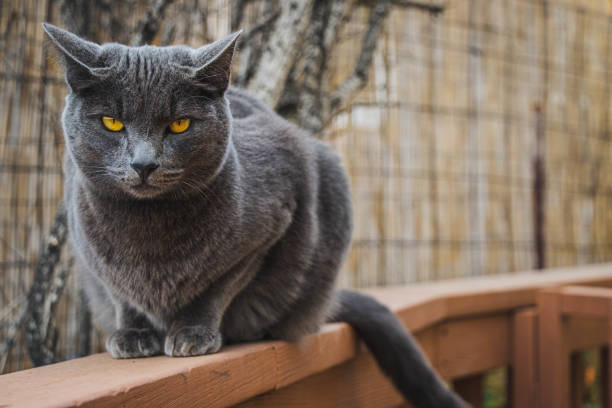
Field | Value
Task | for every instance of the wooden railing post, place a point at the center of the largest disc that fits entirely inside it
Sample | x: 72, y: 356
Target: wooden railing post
x: 572, y: 318
x: 553, y: 364
x: 525, y: 358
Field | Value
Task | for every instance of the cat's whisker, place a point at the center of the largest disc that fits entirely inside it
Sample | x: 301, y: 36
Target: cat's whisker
x: 172, y: 174
x: 196, y: 188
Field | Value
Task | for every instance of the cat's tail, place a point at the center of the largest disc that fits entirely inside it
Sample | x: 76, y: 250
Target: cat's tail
x: 395, y: 350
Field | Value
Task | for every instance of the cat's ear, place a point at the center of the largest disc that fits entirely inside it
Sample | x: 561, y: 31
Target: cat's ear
x: 78, y: 57
x: 214, y: 63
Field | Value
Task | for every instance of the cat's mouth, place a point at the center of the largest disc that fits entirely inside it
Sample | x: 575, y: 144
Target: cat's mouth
x: 144, y: 190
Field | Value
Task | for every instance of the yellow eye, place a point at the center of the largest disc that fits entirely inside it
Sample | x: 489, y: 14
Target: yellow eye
x: 112, y: 124
x: 179, y: 126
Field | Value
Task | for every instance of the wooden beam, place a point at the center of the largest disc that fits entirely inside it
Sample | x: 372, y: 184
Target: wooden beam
x: 588, y: 301
x: 226, y: 378
x: 239, y: 373
x: 357, y: 383
x: 525, y: 358
x: 553, y: 361
x: 584, y: 332
x: 457, y: 348
x: 469, y: 346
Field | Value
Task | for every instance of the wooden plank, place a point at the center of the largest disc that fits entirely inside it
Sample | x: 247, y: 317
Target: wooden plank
x: 472, y: 346
x: 460, y: 348
x: 464, y: 297
x: 525, y: 358
x: 553, y: 364
x: 102, y: 381
x: 357, y: 383
x: 422, y: 315
x: 361, y: 383
x: 589, y: 301
x: 226, y: 378
x: 295, y: 361
x: 470, y: 389
x: 584, y: 332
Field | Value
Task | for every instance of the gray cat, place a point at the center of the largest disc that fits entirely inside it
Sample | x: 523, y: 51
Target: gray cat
x: 200, y: 217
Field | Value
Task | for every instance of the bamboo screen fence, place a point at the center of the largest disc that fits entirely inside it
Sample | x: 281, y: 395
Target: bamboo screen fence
x: 473, y: 122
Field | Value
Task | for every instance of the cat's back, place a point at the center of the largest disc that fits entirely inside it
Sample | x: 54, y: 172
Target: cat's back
x: 271, y: 149
x: 285, y: 162
x: 284, y: 168
x: 262, y: 134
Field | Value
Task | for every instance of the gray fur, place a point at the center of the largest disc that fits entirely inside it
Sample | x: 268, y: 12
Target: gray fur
x: 238, y: 232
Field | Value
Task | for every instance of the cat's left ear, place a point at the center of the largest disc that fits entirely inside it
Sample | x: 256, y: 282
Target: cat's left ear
x: 79, y: 57
x: 214, y: 63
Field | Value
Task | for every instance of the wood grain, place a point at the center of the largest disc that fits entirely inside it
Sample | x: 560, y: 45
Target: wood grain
x: 465, y: 327
x: 525, y: 358
x: 553, y: 361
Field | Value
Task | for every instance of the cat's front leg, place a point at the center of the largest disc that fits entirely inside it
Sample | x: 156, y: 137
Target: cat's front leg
x: 135, y: 337
x: 195, y: 330
x: 185, y: 340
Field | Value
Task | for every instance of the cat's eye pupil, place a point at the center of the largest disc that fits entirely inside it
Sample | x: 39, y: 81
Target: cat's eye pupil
x: 112, y: 124
x: 179, y: 125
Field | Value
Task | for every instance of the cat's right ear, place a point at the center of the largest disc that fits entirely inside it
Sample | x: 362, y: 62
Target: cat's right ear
x: 78, y: 57
x: 214, y: 62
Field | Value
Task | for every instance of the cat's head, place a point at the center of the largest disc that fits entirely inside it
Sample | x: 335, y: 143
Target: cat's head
x: 145, y: 121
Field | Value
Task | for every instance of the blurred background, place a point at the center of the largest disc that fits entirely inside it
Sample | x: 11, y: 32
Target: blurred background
x: 476, y: 134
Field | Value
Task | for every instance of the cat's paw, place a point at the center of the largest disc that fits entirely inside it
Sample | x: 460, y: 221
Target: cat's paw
x: 192, y: 341
x: 131, y: 343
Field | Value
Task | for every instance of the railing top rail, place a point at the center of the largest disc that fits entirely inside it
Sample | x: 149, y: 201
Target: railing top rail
x: 240, y: 372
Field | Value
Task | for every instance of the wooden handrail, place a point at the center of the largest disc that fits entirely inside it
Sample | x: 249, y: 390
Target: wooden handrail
x: 441, y: 314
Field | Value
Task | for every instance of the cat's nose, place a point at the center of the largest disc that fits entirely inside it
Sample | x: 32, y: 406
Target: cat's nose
x: 144, y: 169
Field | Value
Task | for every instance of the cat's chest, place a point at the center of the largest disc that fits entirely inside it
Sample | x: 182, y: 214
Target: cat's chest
x: 149, y: 237
x: 160, y: 259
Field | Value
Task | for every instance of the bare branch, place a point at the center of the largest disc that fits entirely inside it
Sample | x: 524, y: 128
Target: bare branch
x: 149, y: 25
x: 358, y: 79
x: 258, y: 39
x: 11, y: 334
x: 431, y: 7
x: 77, y: 16
x: 238, y: 7
x: 168, y: 34
x: 266, y: 22
x: 321, y: 35
x: 84, y: 324
x: 277, y: 56
x: 43, y: 296
x: 421, y: 5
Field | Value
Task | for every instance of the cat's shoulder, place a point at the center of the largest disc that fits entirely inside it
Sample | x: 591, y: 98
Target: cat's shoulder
x: 262, y: 135
x: 257, y: 126
x: 243, y: 105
